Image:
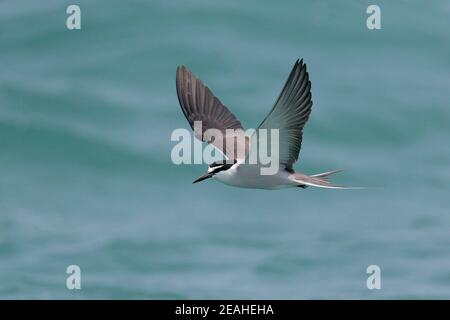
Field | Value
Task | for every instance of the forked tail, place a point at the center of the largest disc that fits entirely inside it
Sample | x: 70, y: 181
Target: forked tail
x: 320, y: 180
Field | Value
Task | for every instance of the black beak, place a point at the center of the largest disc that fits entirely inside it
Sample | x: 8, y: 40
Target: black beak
x: 204, y: 177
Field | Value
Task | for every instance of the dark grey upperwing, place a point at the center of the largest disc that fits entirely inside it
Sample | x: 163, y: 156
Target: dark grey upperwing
x: 290, y: 113
x: 199, y: 104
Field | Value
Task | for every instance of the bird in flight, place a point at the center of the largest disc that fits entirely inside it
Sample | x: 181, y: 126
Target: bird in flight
x: 289, y: 115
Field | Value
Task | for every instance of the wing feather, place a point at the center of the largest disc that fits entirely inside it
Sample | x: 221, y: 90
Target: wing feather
x: 198, y: 103
x: 290, y: 113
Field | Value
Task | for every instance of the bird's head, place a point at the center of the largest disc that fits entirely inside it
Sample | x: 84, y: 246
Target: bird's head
x: 213, y: 169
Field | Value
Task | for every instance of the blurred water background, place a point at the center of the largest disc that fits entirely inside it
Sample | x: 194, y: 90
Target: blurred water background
x: 86, y: 176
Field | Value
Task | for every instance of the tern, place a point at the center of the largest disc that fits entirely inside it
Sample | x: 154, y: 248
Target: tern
x: 289, y: 115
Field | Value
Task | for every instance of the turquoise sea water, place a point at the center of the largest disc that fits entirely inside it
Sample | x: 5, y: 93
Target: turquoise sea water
x: 86, y: 176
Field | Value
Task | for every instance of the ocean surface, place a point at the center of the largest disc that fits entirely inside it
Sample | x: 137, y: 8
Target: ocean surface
x: 86, y: 176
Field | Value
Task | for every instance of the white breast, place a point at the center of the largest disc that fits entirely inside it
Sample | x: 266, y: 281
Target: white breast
x: 249, y: 176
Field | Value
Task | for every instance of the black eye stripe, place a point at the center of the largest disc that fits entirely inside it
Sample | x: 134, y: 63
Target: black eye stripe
x: 222, y: 168
x: 215, y: 164
x: 219, y: 164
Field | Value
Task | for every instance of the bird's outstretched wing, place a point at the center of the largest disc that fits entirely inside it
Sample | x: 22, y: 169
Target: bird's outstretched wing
x: 290, y: 113
x: 199, y: 104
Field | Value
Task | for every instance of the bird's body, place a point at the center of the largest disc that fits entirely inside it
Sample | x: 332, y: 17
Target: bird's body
x: 288, y: 116
x: 244, y: 175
